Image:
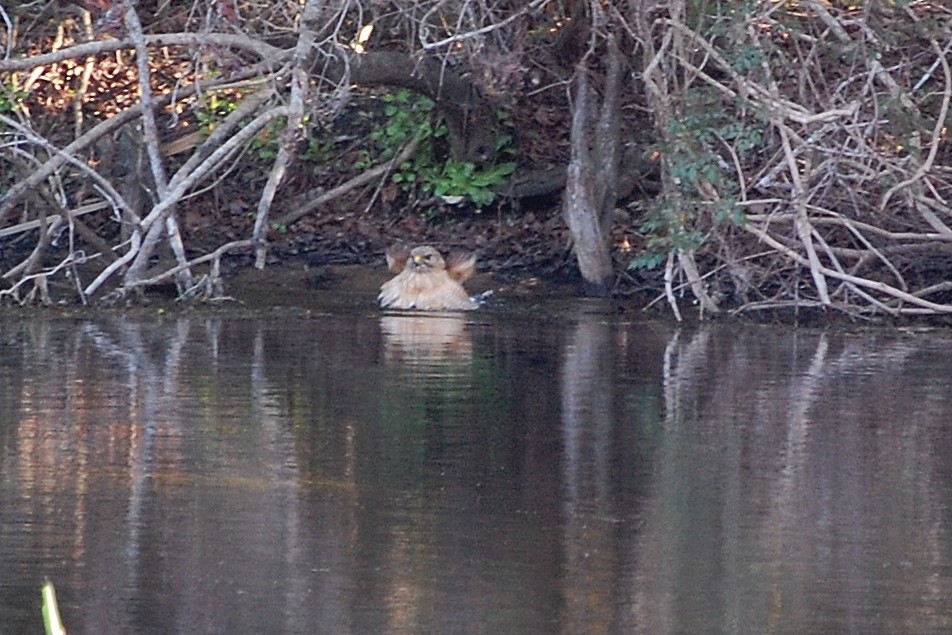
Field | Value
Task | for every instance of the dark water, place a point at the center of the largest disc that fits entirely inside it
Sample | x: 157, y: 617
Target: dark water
x: 493, y: 473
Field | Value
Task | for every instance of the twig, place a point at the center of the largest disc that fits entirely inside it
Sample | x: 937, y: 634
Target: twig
x: 881, y: 73
x: 68, y: 154
x: 151, y: 134
x: 213, y: 256
x: 135, y: 241
x: 802, y: 223
x: 176, y: 192
x: 40, y: 277
x: 937, y: 133
x: 33, y: 224
x: 359, y: 180
x: 265, y: 51
x: 882, y: 287
x: 669, y: 284
x: 532, y: 6
x: 942, y: 56
x: 149, y: 128
x: 299, y: 88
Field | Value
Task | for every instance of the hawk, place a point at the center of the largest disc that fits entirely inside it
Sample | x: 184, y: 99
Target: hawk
x: 426, y: 282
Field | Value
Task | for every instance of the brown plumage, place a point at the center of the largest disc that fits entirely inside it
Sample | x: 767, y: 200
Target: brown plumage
x: 427, y: 282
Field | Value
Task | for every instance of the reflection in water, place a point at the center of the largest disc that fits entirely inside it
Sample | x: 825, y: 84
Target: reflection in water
x: 591, y: 568
x: 801, y: 485
x: 407, y: 474
x: 415, y: 337
x: 104, y: 442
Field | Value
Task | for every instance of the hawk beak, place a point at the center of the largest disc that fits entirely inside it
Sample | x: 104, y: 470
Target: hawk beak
x: 418, y: 259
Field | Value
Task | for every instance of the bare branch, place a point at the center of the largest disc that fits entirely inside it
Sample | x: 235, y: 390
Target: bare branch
x: 265, y: 51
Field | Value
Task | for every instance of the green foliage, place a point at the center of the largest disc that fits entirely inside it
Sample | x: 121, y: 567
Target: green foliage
x: 214, y: 108
x: 265, y: 143
x: 217, y: 106
x: 408, y: 116
x: 648, y: 259
x: 727, y: 210
x: 668, y: 228
x: 405, y: 116
x: 695, y: 157
x: 318, y: 150
x: 10, y: 98
x: 9, y: 101
x: 463, y: 179
x: 745, y: 58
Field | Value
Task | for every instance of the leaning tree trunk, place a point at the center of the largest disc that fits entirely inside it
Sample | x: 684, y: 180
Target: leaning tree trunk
x: 592, y: 174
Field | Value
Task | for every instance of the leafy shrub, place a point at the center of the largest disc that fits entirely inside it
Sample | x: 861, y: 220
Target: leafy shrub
x: 408, y: 116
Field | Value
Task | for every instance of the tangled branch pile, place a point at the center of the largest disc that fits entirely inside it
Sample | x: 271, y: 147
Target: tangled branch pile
x: 806, y: 159
x: 229, y: 80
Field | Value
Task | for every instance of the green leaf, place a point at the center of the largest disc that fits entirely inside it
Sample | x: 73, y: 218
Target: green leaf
x: 648, y: 260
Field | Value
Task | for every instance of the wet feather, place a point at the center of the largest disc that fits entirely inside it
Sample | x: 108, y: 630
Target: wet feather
x: 427, y: 282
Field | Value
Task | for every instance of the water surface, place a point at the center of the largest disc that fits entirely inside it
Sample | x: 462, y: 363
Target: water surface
x: 559, y: 471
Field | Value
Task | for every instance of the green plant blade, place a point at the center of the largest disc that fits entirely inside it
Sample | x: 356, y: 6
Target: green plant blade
x: 51, y: 616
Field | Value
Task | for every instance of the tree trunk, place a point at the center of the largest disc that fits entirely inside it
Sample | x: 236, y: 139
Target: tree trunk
x: 582, y: 207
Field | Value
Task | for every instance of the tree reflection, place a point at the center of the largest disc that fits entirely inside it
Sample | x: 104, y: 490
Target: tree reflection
x: 577, y: 473
x: 797, y: 474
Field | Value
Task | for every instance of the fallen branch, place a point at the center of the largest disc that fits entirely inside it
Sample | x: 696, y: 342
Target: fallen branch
x: 33, y: 224
x: 911, y: 298
x: 361, y: 179
x: 265, y: 51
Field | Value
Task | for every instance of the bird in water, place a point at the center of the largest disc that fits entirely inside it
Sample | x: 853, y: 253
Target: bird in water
x: 426, y: 281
